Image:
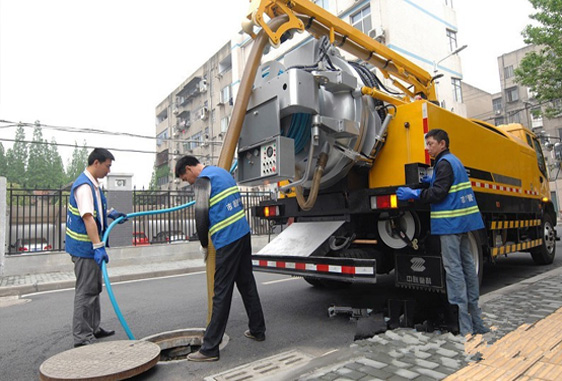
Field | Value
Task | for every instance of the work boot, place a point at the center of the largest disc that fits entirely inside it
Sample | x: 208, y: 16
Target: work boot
x: 249, y: 335
x: 103, y: 333
x: 200, y: 357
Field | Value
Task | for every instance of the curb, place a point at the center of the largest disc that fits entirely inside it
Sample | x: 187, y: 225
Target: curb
x: 20, y: 290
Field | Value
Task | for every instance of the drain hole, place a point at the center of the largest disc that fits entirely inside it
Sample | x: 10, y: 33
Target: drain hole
x: 178, y: 353
x: 176, y: 345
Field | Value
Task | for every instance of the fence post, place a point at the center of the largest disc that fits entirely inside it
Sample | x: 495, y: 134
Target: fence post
x: 3, y: 222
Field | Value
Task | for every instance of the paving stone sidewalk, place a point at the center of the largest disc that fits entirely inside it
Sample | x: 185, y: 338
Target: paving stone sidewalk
x: 24, y: 284
x: 405, y: 354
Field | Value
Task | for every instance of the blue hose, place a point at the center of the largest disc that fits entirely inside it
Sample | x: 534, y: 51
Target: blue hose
x: 104, y: 267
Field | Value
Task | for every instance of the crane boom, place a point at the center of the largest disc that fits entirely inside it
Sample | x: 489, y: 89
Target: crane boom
x: 304, y: 15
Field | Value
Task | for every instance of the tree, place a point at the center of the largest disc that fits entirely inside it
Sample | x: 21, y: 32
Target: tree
x: 541, y: 70
x: 16, y: 159
x: 38, y: 165
x: 2, y: 161
x: 56, y: 167
x: 77, y: 163
x: 153, y: 183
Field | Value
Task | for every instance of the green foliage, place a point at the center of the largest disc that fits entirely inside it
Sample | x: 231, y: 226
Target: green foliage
x: 541, y: 70
x: 77, y: 163
x: 16, y: 159
x: 38, y: 174
x: 3, y: 164
x: 153, y: 184
x: 56, y: 167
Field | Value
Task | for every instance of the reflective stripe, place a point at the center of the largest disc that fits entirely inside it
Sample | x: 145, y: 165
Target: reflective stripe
x: 76, y: 212
x: 458, y: 187
x: 222, y: 195
x: 229, y: 221
x: 455, y: 213
x: 73, y: 210
x: 78, y: 236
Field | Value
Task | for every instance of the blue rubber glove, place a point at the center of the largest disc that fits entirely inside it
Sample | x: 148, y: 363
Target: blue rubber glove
x: 115, y: 215
x: 405, y: 194
x: 426, y: 179
x: 100, y: 255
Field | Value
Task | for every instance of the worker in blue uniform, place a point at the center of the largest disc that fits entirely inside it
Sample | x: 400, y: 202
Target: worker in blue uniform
x: 454, y: 213
x: 219, y: 213
x: 86, y: 222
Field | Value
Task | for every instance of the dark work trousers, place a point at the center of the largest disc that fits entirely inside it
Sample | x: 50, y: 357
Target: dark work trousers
x: 86, y: 319
x: 233, y: 264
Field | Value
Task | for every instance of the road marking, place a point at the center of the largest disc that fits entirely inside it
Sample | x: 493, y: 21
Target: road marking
x: 280, y: 280
x: 117, y: 283
x: 9, y: 301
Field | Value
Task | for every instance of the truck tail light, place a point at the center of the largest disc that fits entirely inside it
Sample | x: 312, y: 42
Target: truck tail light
x: 388, y: 201
x: 270, y: 211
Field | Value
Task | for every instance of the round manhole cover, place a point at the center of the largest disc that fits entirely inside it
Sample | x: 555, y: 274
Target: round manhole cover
x: 112, y: 360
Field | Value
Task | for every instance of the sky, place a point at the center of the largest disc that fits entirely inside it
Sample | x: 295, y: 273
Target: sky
x: 107, y: 64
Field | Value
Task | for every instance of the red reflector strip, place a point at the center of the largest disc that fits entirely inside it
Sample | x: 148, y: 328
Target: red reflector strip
x: 353, y: 270
x: 323, y: 268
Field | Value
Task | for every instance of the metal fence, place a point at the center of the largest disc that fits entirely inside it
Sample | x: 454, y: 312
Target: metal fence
x: 37, y: 218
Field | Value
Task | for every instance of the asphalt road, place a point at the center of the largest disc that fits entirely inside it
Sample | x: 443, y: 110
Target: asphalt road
x: 40, y: 325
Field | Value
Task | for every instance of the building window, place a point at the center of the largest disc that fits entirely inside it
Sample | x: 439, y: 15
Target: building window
x: 225, y: 65
x: 452, y: 36
x: 161, y: 137
x: 508, y: 72
x: 162, y: 181
x: 515, y: 117
x: 511, y: 94
x: 449, y: 3
x: 536, y: 118
x: 497, y: 105
x: 224, y: 124
x: 457, y: 90
x: 162, y: 116
x: 498, y: 121
x: 323, y: 3
x: 225, y: 95
x: 362, y: 20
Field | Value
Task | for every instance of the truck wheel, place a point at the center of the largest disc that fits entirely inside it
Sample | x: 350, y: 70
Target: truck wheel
x: 544, y: 254
x: 477, y: 255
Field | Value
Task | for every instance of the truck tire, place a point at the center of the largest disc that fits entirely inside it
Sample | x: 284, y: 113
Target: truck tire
x: 544, y: 254
x: 477, y: 255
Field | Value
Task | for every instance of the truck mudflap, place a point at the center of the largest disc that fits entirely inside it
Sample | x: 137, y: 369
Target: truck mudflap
x: 341, y: 269
x: 422, y: 272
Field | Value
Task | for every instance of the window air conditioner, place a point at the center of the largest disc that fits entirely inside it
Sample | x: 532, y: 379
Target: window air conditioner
x: 377, y: 34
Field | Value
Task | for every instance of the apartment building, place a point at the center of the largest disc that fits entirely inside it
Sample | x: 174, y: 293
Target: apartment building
x: 193, y: 118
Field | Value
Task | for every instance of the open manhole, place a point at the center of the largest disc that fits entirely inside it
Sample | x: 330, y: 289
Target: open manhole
x: 176, y: 345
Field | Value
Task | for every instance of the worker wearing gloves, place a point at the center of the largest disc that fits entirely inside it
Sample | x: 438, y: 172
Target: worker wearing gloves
x: 85, y: 223
x: 220, y: 213
x: 454, y: 213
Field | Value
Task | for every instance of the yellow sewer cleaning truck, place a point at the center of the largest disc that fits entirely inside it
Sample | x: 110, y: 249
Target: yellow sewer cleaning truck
x: 325, y: 128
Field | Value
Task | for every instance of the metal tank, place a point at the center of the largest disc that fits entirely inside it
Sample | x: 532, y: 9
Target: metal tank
x: 306, y: 111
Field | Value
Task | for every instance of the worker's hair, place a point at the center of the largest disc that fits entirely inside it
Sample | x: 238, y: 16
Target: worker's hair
x: 183, y: 162
x: 438, y: 135
x: 101, y: 155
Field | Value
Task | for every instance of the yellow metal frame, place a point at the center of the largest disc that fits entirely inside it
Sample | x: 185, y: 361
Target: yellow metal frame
x: 391, y: 64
